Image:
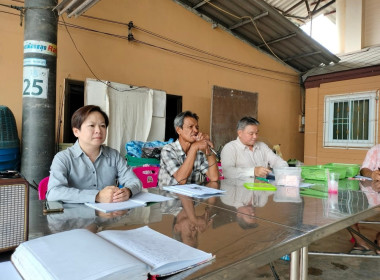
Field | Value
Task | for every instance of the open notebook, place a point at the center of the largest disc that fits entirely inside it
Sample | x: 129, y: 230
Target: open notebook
x: 141, y: 199
x: 111, y: 254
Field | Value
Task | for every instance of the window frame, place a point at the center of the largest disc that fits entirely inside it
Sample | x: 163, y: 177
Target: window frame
x: 328, y: 140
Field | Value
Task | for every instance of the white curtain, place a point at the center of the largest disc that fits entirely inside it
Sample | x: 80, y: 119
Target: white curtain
x: 136, y: 114
x: 130, y: 114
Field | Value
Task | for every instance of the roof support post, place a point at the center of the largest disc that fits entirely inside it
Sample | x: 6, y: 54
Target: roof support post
x: 39, y: 89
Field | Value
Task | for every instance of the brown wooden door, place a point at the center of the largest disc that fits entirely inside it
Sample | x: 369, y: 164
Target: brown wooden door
x: 228, y: 106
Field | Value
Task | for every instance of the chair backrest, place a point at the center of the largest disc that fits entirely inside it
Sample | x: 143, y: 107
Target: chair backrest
x: 42, y: 188
x: 148, y: 175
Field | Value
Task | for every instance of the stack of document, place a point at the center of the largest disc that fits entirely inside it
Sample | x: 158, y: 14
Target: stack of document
x: 194, y: 190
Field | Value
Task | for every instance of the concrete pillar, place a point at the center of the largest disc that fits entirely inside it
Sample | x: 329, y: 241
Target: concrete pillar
x: 354, y: 25
x: 341, y: 23
x: 39, y: 89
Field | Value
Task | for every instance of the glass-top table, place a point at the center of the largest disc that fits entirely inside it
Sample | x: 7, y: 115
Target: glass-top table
x: 244, y: 229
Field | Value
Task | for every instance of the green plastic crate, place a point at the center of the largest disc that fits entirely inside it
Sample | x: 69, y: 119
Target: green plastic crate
x: 351, y: 169
x: 344, y: 184
x: 135, y: 161
x: 318, y: 172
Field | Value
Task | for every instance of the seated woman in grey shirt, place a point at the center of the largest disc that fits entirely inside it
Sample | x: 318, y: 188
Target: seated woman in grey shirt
x: 88, y: 171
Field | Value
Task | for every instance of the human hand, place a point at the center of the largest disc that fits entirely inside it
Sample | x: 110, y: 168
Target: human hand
x: 111, y: 214
x: 376, y: 186
x: 201, y: 223
x: 106, y: 194
x: 202, y: 143
x: 261, y: 171
x: 375, y: 175
x: 122, y: 194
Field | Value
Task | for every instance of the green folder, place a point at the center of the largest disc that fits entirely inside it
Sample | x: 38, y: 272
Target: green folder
x: 260, y: 186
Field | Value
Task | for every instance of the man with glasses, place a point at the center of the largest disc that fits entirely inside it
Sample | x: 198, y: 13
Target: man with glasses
x: 189, y: 159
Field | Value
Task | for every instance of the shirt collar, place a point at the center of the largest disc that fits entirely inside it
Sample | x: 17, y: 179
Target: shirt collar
x: 77, y: 150
x: 178, y: 147
x: 245, y: 147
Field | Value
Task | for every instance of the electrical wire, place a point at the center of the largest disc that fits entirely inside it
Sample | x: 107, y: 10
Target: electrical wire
x: 194, y: 57
x: 202, y: 59
x: 211, y: 63
x: 88, y: 66
x: 193, y: 48
x: 245, y: 17
x: 208, y: 53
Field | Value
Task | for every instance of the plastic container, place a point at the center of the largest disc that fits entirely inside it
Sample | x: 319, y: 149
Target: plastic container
x: 8, y: 129
x: 318, y: 172
x: 351, y: 169
x: 287, y: 176
x: 287, y: 194
x: 333, y: 182
x: 135, y: 161
x: 148, y: 175
x: 9, y: 159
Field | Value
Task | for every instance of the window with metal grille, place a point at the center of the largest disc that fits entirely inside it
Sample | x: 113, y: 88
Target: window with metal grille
x: 350, y: 120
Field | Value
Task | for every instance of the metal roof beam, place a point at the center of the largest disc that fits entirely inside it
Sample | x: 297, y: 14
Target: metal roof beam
x: 301, y: 55
x: 313, y: 12
x: 248, y: 21
x: 324, y: 6
x: 293, y: 7
x: 316, y: 5
x: 201, y: 4
x: 307, y: 6
x: 278, y: 39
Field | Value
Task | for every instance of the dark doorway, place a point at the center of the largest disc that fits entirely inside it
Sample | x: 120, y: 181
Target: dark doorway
x: 74, y: 99
x: 173, y: 108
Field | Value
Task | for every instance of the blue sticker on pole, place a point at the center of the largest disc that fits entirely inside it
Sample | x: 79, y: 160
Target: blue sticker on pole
x: 33, y: 46
x: 35, y: 82
x: 34, y: 62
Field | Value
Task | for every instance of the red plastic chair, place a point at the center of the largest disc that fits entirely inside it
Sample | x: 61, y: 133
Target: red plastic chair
x: 148, y: 175
x: 42, y: 188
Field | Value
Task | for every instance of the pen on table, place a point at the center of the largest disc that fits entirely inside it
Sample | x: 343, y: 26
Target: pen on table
x: 262, y: 179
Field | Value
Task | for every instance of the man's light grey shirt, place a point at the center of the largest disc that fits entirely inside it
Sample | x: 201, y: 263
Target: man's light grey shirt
x: 74, y: 178
x: 239, y: 161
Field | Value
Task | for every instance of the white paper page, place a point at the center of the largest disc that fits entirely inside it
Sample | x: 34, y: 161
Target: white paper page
x: 75, y: 254
x: 141, y: 199
x: 145, y: 197
x: 194, y: 190
x: 9, y: 272
x: 116, y: 206
x: 156, y: 249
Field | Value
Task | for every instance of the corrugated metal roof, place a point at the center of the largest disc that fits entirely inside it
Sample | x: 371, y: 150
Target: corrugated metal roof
x: 288, y: 42
x: 301, y: 11
x: 355, y: 60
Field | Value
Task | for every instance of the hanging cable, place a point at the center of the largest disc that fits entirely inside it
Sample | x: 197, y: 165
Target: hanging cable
x: 211, y: 63
x: 88, y: 66
x: 210, y: 54
x: 208, y: 60
x: 185, y: 45
x: 253, y: 22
